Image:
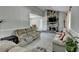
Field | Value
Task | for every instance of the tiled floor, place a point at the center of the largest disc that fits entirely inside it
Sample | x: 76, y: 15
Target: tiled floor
x: 45, y: 41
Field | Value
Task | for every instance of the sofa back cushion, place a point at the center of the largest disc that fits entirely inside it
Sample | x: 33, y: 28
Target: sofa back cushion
x: 25, y: 37
x: 28, y: 30
x: 19, y: 32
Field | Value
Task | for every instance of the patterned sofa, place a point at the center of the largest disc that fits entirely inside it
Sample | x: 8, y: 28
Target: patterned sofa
x: 27, y: 35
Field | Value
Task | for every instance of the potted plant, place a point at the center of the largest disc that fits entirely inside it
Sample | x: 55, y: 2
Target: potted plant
x: 71, y: 44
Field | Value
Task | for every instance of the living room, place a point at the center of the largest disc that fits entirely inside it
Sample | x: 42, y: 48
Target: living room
x: 38, y: 26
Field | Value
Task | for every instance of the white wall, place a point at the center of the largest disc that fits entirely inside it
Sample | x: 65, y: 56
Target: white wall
x: 61, y: 20
x: 75, y: 19
x: 15, y: 17
x: 44, y: 21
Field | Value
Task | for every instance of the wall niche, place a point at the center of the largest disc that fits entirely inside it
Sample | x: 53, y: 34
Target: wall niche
x: 52, y: 20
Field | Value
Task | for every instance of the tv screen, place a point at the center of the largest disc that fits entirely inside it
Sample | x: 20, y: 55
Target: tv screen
x: 52, y: 19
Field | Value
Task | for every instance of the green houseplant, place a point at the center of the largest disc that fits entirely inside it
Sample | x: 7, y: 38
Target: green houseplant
x: 71, y: 44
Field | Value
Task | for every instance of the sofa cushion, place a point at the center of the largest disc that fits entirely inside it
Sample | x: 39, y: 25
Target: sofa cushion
x: 25, y: 37
x: 34, y: 34
x: 19, y: 32
x: 6, y: 45
x: 25, y: 40
x: 28, y: 30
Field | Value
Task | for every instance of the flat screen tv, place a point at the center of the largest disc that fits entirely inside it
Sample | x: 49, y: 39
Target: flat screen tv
x: 52, y: 19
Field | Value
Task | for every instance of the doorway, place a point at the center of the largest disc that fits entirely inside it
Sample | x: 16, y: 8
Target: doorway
x: 36, y: 20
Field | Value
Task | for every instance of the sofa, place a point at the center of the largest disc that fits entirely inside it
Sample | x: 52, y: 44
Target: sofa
x: 58, y: 45
x: 29, y: 33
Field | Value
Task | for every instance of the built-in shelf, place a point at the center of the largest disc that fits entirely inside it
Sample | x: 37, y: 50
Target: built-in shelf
x: 52, y: 20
